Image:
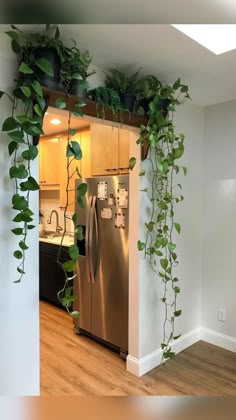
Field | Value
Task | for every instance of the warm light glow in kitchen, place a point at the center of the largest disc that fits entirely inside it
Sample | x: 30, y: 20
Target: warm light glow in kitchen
x: 55, y: 121
x: 218, y: 38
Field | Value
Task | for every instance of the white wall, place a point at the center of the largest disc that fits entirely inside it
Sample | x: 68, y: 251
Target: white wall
x: 19, y: 330
x: 219, y: 249
x: 190, y: 121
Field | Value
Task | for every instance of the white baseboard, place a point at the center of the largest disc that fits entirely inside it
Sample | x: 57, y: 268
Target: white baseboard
x: 218, y: 339
x: 139, y: 367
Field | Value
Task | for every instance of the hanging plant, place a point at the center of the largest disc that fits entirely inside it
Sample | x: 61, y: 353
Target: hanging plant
x: 22, y: 125
x: 166, y: 147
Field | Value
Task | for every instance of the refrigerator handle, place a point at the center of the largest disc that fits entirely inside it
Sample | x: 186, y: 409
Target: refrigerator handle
x: 93, y: 219
x: 87, y: 229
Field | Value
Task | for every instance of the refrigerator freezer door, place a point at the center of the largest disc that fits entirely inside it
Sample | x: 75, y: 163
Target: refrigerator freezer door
x: 82, y: 282
x: 110, y: 289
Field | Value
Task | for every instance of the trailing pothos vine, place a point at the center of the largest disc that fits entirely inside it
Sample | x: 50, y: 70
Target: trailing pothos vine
x: 163, y: 192
x: 26, y: 122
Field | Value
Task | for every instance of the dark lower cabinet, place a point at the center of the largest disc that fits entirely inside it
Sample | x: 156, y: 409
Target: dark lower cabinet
x: 51, y: 276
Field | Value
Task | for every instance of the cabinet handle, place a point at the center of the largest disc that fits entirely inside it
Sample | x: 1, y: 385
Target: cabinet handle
x: 123, y: 168
x: 42, y: 182
x: 111, y: 169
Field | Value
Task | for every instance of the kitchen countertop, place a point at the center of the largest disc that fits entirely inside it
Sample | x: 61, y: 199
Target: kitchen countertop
x: 67, y: 241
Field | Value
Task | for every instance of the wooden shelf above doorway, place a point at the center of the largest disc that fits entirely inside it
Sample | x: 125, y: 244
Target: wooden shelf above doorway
x: 89, y: 109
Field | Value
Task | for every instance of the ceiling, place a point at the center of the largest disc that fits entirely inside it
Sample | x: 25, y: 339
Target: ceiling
x: 161, y: 50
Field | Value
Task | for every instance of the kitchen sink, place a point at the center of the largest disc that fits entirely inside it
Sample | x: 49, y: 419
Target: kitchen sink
x: 47, y: 234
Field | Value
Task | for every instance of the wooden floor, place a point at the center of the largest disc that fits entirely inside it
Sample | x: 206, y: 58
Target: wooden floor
x: 76, y: 365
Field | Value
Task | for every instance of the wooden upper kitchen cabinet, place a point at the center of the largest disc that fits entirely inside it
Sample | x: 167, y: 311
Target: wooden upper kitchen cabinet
x: 123, y: 151
x: 83, y: 165
x: 104, y: 149
x: 49, y: 176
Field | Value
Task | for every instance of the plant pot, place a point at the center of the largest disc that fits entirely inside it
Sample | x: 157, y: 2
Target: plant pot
x: 54, y: 60
x: 127, y: 101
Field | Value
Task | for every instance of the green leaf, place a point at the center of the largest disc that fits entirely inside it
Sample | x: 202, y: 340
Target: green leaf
x: 37, y: 88
x: 140, y: 245
x: 75, y: 150
x: 177, y: 289
x: 164, y: 263
x: 69, y: 265
x: 38, y: 110
x: 177, y: 313
x: 19, y: 202
x: 45, y: 66
x: 24, y: 68
x: 150, y: 226
x: 18, y: 231
x: 168, y: 355
x: 184, y: 170
x: 18, y: 254
x: 75, y: 219
x: 29, y: 185
x: 13, y: 35
x: 73, y: 252
x: 23, y: 245
x: 31, y: 153
x: 18, y: 218
x: 82, y: 189
x: 79, y: 233
x: 142, y: 173
x: 75, y: 314
x: 171, y: 246
x: 17, y: 136
x: 163, y: 346
x: 178, y: 152
x: 176, y: 85
x: 60, y: 103
x: 163, y: 300
x: 41, y: 102
x: 132, y: 163
x: 1, y: 93
x: 18, y: 172
x: 177, y: 227
x: 80, y: 104
x: 76, y: 76
x: 175, y: 279
x: 9, y: 124
x: 15, y: 47
x: 176, y: 337
x: 72, y: 131
x: 77, y: 112
x: 30, y: 227
x: 12, y: 146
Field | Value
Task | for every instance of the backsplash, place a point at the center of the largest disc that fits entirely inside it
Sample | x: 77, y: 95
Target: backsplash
x: 48, y: 201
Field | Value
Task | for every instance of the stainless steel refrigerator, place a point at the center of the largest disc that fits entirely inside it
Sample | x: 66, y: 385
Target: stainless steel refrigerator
x: 101, y: 285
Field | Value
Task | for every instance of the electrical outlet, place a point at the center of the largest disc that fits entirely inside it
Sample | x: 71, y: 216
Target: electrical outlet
x: 221, y: 314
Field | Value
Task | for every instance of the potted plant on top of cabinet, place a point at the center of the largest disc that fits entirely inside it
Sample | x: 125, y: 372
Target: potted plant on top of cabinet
x: 75, y: 71
x: 126, y: 86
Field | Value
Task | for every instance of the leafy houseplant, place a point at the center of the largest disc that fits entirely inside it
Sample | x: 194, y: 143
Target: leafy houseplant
x: 105, y: 97
x: 166, y: 147
x: 126, y: 86
x: 77, y: 65
x: 20, y: 127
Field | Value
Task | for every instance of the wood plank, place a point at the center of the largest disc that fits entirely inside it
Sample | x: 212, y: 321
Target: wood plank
x: 76, y: 365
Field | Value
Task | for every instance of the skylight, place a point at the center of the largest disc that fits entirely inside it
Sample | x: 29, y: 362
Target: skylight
x: 216, y: 38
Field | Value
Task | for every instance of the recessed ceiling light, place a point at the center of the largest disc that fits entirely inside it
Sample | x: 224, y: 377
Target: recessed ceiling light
x: 55, y: 121
x: 216, y: 38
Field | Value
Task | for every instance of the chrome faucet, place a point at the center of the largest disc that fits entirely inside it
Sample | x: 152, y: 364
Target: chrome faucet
x: 49, y: 221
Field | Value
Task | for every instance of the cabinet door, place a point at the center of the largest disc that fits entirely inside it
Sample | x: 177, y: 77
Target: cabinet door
x: 85, y: 145
x: 123, y: 152
x: 104, y: 150
x: 48, y: 162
